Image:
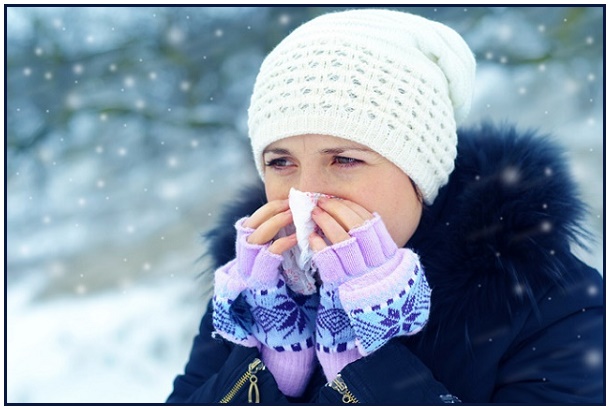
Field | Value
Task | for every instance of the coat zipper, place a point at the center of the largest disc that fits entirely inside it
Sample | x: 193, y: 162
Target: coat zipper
x: 340, y: 386
x: 249, y: 376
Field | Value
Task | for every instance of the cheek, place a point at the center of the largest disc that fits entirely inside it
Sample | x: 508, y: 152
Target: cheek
x: 398, y: 205
x: 275, y: 190
x: 402, y: 223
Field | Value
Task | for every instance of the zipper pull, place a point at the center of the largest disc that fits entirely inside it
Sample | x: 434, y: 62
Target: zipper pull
x: 249, y: 375
x: 340, y: 386
x: 253, y: 389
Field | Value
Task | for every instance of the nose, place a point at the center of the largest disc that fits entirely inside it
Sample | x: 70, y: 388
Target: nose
x: 311, y: 179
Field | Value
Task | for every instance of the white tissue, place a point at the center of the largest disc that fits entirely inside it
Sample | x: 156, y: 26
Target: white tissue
x: 302, y: 204
x: 297, y: 264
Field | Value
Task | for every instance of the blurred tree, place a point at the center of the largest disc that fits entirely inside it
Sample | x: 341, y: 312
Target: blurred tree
x: 188, y: 70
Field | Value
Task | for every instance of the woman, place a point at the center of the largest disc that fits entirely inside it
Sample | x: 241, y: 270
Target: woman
x: 441, y: 259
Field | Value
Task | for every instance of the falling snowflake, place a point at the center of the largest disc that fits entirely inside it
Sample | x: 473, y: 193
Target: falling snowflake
x: 284, y: 19
x: 172, y: 162
x: 185, y: 86
x: 592, y: 291
x: 175, y: 36
x: 129, y: 81
x: 546, y: 226
x: 510, y: 175
x: 593, y: 358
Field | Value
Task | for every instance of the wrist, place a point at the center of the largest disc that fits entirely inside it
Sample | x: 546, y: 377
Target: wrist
x: 332, y: 363
x: 291, y: 369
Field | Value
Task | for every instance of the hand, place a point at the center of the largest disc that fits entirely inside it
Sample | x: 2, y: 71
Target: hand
x: 278, y: 318
x: 336, y: 217
x: 359, y: 241
x: 232, y: 317
x: 255, y: 252
x: 379, y: 287
x: 282, y: 319
x: 258, y: 255
x: 263, y: 225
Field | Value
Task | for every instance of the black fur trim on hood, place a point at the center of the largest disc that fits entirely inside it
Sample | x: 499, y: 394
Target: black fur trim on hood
x: 505, y: 221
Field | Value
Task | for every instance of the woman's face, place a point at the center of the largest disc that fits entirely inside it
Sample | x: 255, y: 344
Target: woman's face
x: 348, y: 170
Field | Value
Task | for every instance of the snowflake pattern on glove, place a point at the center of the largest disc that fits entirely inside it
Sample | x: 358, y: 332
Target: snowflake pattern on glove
x: 333, y: 330
x: 405, y: 314
x: 233, y: 320
x: 282, y: 319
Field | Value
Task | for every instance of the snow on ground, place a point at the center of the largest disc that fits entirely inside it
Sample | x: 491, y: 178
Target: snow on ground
x: 118, y: 347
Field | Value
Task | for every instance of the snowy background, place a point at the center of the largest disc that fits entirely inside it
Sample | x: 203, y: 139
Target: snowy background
x: 125, y: 131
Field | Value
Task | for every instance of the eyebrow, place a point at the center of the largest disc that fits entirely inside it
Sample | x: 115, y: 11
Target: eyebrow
x: 339, y: 150
x: 277, y: 151
x: 325, y: 151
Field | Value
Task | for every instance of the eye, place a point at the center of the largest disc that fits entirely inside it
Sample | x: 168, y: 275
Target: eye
x: 346, y: 161
x: 278, y: 163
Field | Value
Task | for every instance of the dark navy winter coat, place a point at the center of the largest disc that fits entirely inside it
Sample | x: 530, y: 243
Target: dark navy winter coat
x: 515, y: 318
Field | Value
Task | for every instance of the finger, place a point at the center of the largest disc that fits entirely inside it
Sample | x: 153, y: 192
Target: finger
x: 317, y: 243
x: 270, y: 228
x: 281, y: 245
x: 266, y: 212
x: 359, y: 210
x: 341, y: 212
x: 332, y: 229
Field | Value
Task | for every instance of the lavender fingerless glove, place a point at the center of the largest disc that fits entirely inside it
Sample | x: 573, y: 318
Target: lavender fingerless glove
x: 231, y: 317
x: 254, y: 307
x: 381, y: 290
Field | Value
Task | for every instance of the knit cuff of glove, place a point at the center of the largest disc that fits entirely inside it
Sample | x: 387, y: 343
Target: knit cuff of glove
x: 333, y: 362
x: 291, y: 370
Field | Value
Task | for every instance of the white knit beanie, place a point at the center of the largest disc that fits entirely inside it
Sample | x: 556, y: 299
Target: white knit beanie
x: 392, y: 81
